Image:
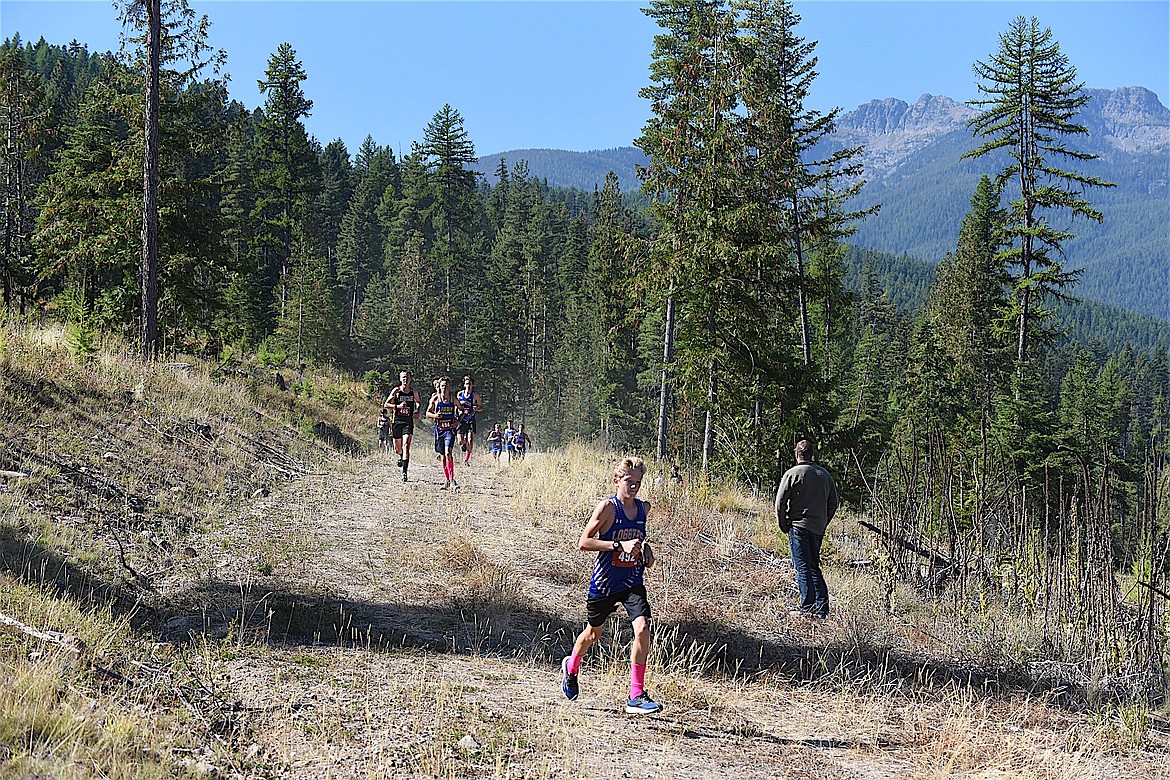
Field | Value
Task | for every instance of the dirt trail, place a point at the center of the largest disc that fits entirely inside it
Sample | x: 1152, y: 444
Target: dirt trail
x: 462, y: 612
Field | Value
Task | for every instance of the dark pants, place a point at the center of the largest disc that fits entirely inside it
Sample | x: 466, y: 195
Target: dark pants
x: 806, y: 559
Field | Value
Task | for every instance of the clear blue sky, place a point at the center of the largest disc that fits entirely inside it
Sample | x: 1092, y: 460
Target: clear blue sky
x: 566, y: 74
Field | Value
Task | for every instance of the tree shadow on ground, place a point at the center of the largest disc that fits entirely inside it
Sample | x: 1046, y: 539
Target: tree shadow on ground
x: 509, y: 626
x: 41, y: 567
x: 519, y: 629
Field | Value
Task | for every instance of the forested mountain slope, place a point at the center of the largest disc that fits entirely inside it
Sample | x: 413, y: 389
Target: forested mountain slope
x: 914, y: 171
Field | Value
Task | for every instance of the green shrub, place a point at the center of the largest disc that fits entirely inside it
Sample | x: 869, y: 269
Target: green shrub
x: 271, y: 355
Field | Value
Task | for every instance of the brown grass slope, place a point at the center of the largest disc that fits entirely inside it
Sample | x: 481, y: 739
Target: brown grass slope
x: 246, y: 601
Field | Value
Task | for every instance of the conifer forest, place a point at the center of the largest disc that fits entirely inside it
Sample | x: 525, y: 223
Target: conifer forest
x: 709, y: 321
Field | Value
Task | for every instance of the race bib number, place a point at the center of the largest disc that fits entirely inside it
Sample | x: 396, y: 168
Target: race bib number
x: 624, y: 559
x: 447, y: 425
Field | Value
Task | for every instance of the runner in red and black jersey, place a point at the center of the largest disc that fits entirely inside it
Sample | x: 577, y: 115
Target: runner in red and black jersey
x: 406, y: 406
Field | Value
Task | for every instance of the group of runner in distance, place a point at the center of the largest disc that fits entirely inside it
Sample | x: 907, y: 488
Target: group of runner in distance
x: 454, y: 420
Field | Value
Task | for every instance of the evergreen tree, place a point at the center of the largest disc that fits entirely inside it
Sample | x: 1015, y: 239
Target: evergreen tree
x: 23, y: 115
x: 286, y: 172
x: 311, y: 326
x: 337, y: 186
x: 410, y: 268
x: 969, y: 308
x: 447, y: 151
x: 695, y: 163
x: 797, y: 197
x: 1032, y: 101
x: 360, y: 243
x: 88, y: 211
x: 245, y: 317
x: 615, y: 312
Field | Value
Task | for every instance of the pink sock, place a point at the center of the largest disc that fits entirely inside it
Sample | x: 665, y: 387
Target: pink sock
x: 450, y: 469
x: 575, y: 663
x: 637, y: 680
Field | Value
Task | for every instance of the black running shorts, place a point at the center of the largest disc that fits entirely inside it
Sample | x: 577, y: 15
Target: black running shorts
x: 465, y: 426
x: 634, y: 600
x: 403, y: 428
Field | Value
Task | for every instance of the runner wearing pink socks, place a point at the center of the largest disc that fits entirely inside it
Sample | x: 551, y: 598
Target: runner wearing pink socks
x: 617, y: 533
x: 442, y: 409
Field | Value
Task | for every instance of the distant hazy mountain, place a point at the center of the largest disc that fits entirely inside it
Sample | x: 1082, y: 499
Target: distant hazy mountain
x: 912, y: 167
x: 582, y: 170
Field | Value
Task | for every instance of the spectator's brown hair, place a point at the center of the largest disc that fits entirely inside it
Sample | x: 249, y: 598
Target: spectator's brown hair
x: 806, y: 450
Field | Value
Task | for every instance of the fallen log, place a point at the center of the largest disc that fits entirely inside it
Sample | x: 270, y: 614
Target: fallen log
x: 67, y: 641
x: 934, y: 558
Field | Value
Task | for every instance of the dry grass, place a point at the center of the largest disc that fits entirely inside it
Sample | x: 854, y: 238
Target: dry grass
x: 122, y: 707
x: 126, y: 464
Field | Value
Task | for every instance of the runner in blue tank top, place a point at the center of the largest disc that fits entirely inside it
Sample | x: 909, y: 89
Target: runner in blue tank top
x: 617, y: 533
x: 469, y: 403
x: 443, y: 410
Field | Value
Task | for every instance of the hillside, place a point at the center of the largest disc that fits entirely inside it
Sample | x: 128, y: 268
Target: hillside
x: 205, y: 574
x: 913, y: 170
x: 906, y: 282
x: 912, y: 159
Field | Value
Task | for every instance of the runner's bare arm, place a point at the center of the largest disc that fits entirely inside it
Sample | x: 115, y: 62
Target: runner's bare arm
x: 598, y: 524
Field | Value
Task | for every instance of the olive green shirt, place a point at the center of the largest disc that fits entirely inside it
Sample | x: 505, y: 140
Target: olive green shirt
x: 806, y: 498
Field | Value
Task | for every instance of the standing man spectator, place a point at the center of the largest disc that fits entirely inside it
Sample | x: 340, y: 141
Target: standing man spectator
x: 805, y: 503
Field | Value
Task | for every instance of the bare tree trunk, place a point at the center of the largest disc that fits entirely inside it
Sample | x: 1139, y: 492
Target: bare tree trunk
x: 353, y: 306
x: 148, y: 277
x: 709, y: 425
x: 801, y: 296
x: 667, y: 358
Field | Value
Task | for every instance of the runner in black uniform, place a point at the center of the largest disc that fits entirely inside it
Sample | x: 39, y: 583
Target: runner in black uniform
x: 404, y: 402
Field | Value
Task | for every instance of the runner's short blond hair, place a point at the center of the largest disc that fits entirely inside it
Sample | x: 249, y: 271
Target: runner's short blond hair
x: 629, y: 465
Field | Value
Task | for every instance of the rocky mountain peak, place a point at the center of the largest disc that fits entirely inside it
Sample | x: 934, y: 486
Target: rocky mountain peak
x: 931, y: 114
x: 1127, y: 118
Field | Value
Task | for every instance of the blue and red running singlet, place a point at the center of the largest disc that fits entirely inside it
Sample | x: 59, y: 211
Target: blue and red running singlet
x: 615, y: 570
